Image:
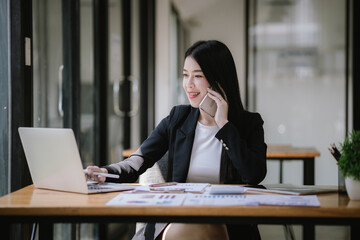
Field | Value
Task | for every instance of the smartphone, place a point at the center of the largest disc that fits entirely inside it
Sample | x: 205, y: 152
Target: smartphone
x: 208, y: 106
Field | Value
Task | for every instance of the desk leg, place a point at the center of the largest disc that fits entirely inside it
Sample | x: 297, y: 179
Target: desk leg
x: 354, y: 232
x: 5, y: 229
x: 46, y: 231
x: 281, y: 171
x: 102, y: 230
x: 308, y: 232
x: 309, y: 173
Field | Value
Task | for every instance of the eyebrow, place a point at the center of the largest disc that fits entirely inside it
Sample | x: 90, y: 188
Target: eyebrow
x: 197, y: 70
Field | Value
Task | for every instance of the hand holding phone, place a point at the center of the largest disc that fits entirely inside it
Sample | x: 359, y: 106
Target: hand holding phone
x: 208, y: 105
x: 215, y: 105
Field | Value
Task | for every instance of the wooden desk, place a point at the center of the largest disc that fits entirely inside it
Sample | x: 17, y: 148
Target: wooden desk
x: 282, y: 153
x: 45, y: 206
x: 288, y: 152
x: 127, y: 152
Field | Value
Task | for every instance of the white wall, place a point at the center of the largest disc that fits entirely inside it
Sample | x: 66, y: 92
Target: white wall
x: 162, y: 60
x: 224, y: 21
x: 220, y: 20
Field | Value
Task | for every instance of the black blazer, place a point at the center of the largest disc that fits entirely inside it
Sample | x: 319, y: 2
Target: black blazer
x: 243, y: 156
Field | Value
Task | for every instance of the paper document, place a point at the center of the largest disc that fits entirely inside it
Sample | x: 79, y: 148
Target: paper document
x: 218, y: 200
x: 226, y: 189
x: 147, y: 199
x: 284, y: 200
x: 177, y: 188
x: 204, y: 194
x: 253, y: 200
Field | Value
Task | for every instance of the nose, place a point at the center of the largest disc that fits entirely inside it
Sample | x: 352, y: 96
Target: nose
x: 189, y: 81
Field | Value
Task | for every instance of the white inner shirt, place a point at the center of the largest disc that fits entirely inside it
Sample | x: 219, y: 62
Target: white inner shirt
x: 205, y: 156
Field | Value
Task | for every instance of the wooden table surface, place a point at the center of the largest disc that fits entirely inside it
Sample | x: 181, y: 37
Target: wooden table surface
x: 30, y: 201
x: 287, y: 151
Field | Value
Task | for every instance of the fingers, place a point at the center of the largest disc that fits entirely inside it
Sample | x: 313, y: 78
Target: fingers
x: 216, y: 96
x: 89, y: 173
x: 221, y: 115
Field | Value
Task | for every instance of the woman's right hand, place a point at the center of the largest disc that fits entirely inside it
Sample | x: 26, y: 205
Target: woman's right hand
x: 89, y: 174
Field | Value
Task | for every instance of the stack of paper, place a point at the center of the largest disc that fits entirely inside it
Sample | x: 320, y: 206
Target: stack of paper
x: 147, y: 200
x: 226, y: 189
x: 215, y: 195
x: 156, y: 199
x: 218, y: 200
x: 253, y: 200
x: 176, y: 188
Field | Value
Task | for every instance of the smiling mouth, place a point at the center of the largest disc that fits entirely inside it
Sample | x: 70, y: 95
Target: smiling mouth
x: 193, y: 94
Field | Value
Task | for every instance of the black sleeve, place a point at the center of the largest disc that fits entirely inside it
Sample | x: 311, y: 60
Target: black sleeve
x: 151, y: 150
x: 247, y: 152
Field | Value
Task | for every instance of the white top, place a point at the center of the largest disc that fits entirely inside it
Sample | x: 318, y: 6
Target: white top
x: 205, y: 156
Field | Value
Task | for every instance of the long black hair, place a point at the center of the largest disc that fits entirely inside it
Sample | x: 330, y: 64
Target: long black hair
x: 218, y: 66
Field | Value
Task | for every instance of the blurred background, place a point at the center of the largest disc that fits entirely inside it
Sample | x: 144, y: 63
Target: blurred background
x: 111, y: 70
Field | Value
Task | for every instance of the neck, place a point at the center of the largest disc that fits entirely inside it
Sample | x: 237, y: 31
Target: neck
x: 206, y: 120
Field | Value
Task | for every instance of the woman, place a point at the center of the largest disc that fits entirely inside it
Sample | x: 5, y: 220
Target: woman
x: 226, y: 148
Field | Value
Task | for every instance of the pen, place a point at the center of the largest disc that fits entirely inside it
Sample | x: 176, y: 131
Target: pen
x: 167, y: 190
x: 163, y: 184
x: 335, y: 152
x: 332, y: 153
x: 104, y: 174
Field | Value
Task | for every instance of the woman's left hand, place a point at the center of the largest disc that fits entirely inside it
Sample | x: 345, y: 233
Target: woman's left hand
x: 221, y: 115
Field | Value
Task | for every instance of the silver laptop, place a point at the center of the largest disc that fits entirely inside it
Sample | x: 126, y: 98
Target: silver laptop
x: 54, y: 162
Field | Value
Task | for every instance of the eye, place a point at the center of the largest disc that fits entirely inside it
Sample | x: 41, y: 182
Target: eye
x: 185, y: 74
x: 198, y: 76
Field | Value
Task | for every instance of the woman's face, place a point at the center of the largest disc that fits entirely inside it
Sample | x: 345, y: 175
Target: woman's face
x: 194, y: 82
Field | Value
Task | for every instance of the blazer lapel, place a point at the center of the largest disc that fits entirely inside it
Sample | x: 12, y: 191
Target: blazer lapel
x: 183, y: 146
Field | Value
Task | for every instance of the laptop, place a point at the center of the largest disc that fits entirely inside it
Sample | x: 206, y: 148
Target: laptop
x: 54, y: 162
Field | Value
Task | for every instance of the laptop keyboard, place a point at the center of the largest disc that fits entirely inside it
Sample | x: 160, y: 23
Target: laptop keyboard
x: 97, y: 187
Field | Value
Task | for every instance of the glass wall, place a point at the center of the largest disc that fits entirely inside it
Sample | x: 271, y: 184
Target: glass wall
x: 87, y: 114
x: 177, y: 50
x: 115, y: 78
x: 297, y: 83
x: 48, y: 82
x: 48, y: 63
x: 4, y: 100
x: 297, y: 79
x: 48, y: 70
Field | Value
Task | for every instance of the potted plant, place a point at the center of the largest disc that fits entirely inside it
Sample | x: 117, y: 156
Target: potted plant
x: 349, y: 164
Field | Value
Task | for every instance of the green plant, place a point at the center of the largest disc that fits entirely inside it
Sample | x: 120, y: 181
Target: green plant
x: 349, y: 162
